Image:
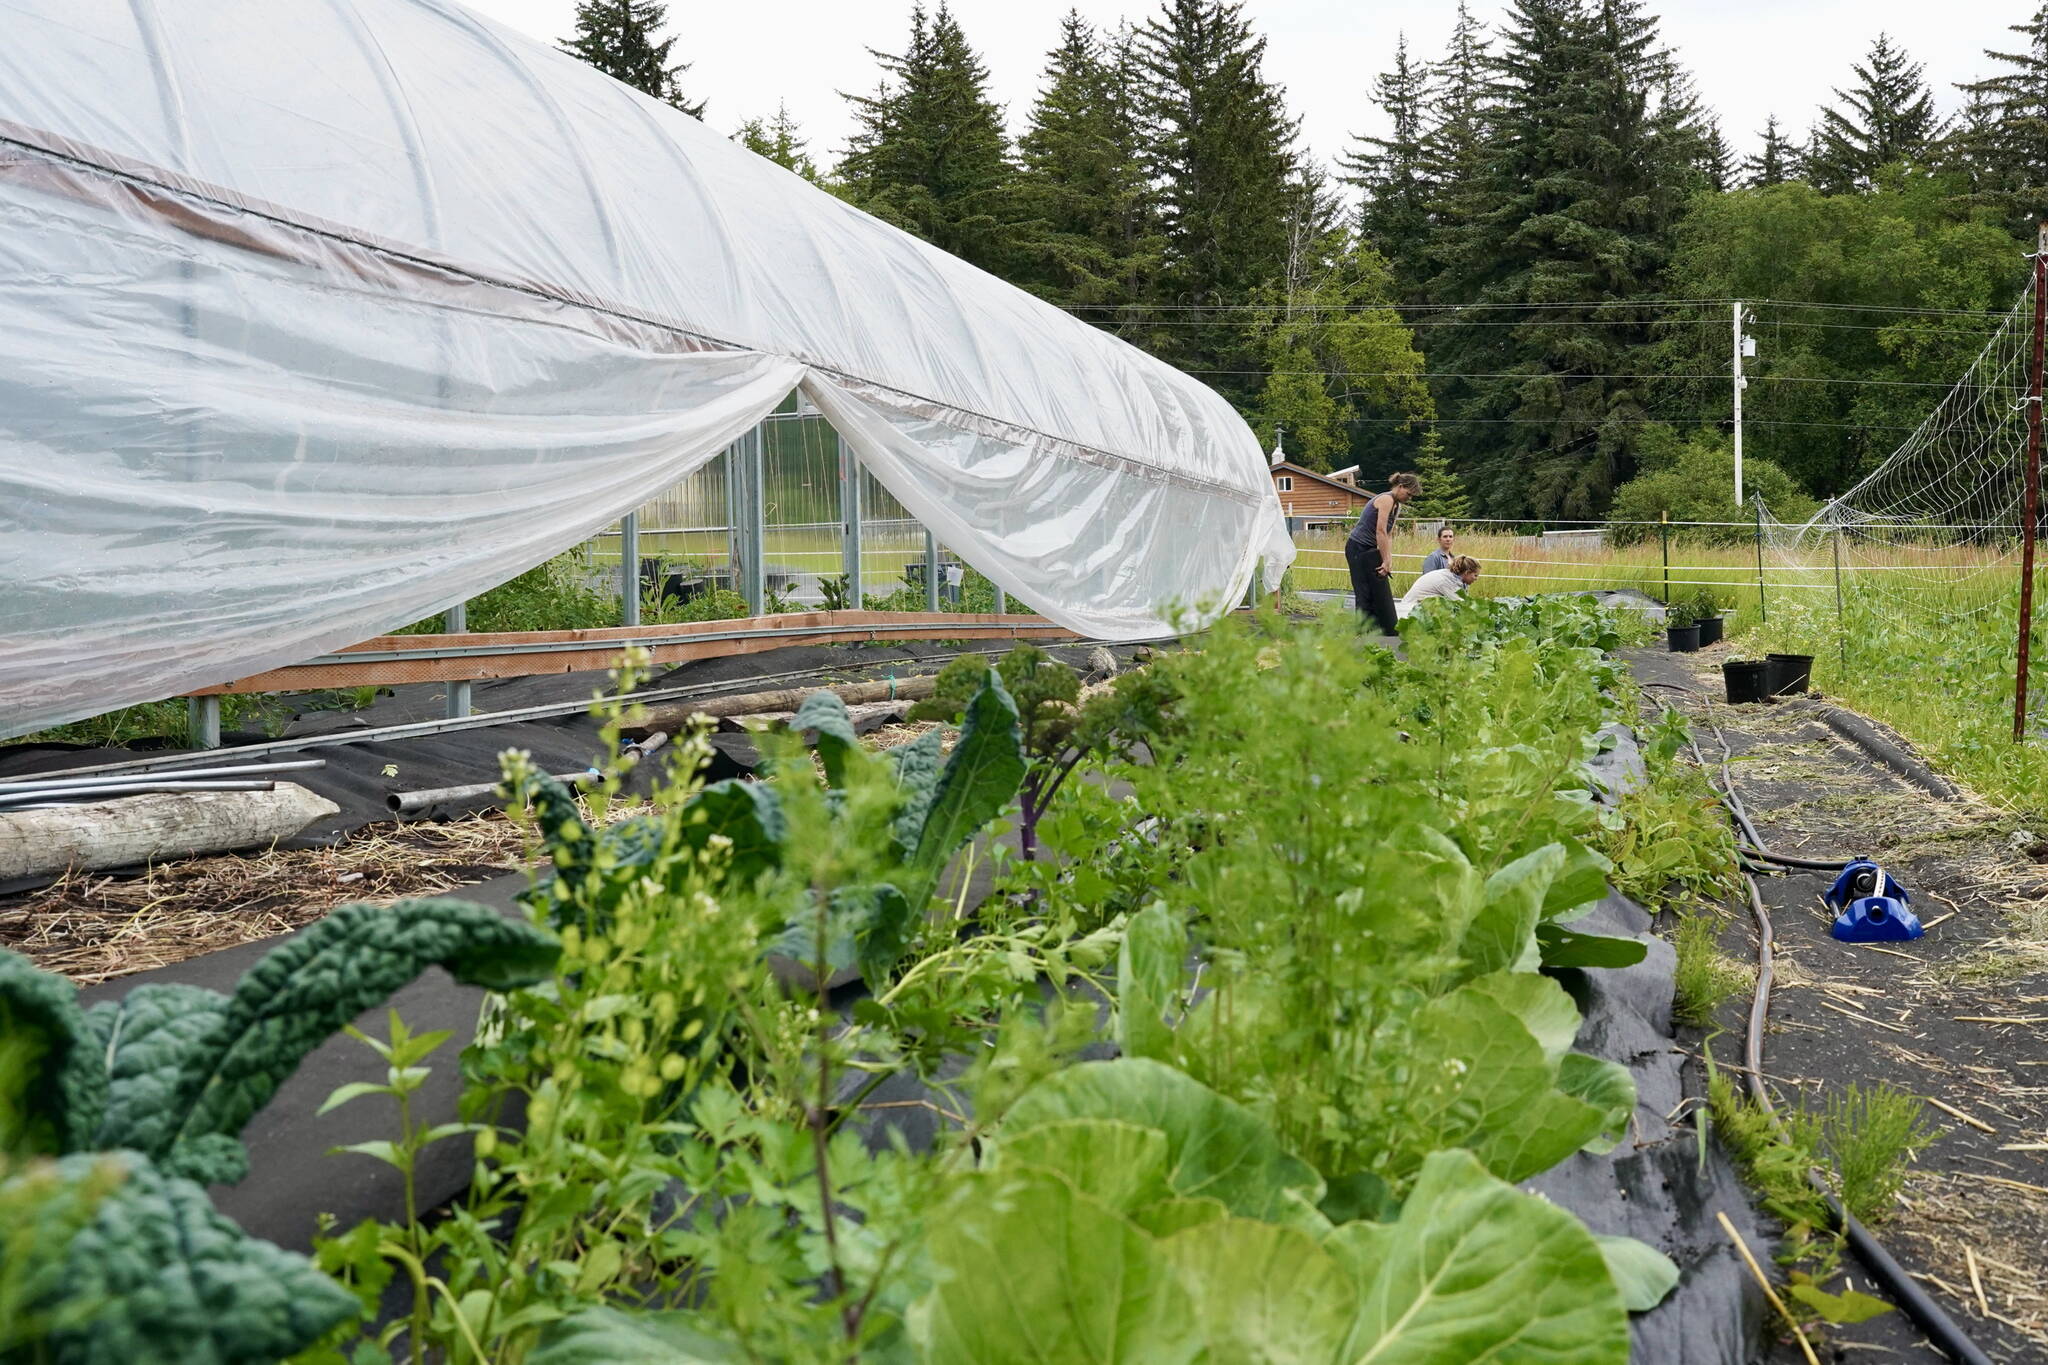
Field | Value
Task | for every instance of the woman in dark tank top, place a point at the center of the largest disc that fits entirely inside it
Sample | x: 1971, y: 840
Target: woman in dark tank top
x: 1369, y: 552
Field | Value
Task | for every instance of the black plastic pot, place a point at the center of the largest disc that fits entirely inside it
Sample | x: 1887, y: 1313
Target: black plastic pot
x: 1682, y: 639
x: 1710, y: 630
x: 1790, y: 673
x: 1747, y: 680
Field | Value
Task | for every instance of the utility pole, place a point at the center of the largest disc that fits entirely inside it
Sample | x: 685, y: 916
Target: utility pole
x: 1735, y: 314
x: 2030, y: 515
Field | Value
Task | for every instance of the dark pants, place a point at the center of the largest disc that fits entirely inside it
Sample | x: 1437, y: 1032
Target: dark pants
x: 1372, y: 592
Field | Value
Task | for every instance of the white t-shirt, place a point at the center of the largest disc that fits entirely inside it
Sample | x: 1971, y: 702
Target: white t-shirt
x: 1435, y: 583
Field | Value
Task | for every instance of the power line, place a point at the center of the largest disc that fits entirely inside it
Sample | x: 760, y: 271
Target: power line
x: 1704, y: 420
x: 1515, y: 374
x: 1313, y: 308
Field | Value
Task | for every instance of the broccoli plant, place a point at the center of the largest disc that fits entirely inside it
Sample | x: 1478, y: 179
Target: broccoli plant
x: 134, y: 1103
x: 1060, y: 727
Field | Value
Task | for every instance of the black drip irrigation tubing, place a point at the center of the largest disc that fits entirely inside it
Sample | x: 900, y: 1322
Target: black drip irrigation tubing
x: 1940, y: 1329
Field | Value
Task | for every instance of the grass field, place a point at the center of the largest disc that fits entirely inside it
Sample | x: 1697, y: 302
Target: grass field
x: 1517, y: 566
x: 1923, y: 639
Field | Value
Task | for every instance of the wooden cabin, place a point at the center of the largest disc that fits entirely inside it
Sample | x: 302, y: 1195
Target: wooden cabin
x: 1316, y: 502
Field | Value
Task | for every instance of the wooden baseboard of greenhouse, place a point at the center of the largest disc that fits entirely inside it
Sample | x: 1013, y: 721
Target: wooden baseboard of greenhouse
x: 390, y: 660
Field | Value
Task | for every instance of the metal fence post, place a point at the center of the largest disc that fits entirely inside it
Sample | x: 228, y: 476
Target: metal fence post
x: 849, y: 511
x: 202, y: 722
x: 1763, y: 612
x: 1002, y: 602
x: 931, y: 572
x: 1841, y: 622
x: 629, y: 568
x: 455, y: 621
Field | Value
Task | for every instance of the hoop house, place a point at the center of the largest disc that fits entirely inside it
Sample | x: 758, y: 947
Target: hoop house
x: 319, y: 318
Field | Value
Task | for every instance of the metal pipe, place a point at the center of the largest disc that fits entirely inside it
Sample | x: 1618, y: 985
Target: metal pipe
x: 629, y: 568
x: 202, y: 721
x: 931, y: 572
x: 411, y: 803
x: 850, y: 517
x: 233, y: 770
x: 455, y: 621
x: 109, y: 790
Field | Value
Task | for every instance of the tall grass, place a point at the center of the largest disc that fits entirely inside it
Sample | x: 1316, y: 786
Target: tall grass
x: 1519, y: 566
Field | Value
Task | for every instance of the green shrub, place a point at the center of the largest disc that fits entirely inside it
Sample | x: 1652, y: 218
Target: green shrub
x: 1694, y: 480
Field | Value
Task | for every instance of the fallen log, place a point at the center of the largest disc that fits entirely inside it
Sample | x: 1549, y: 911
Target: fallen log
x: 674, y: 717
x: 132, y: 831
x: 864, y: 716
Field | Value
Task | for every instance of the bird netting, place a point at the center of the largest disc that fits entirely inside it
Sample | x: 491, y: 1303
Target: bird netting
x: 1921, y: 558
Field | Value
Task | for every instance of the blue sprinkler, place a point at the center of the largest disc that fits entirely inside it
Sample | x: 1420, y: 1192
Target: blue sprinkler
x: 1873, y: 906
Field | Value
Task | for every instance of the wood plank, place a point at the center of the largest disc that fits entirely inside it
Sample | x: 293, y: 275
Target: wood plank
x: 676, y: 646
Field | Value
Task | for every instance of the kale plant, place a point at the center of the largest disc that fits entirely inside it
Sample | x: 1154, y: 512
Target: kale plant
x: 140, y: 1101
x: 1060, y: 727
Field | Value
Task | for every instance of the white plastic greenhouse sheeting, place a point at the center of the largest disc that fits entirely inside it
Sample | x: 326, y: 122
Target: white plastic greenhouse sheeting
x: 318, y: 318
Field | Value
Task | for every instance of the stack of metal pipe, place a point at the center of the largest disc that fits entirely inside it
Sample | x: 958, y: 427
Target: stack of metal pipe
x: 44, y: 793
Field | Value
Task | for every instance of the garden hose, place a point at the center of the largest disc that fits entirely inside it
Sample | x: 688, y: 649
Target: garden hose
x: 1939, y: 1328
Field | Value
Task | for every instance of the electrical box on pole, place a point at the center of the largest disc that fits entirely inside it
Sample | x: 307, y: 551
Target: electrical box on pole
x: 1740, y: 346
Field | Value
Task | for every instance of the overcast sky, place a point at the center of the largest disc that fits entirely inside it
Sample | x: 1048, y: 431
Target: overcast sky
x: 1751, y: 57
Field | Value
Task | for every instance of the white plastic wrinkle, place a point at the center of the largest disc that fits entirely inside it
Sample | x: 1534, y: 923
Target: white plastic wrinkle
x: 317, y: 319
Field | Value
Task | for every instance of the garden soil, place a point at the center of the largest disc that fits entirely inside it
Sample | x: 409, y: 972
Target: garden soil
x: 1956, y: 1017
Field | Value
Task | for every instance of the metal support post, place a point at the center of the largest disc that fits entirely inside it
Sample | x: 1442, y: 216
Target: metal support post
x: 931, y: 572
x: 753, y: 521
x: 1735, y: 311
x: 455, y: 621
x: 1664, y: 533
x: 1841, y: 617
x: 629, y: 568
x: 1002, y: 602
x: 849, y: 510
x: 2031, y: 513
x: 1763, y: 612
x: 202, y: 722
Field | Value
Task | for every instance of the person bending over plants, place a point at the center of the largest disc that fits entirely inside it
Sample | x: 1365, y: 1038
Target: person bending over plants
x: 1449, y: 581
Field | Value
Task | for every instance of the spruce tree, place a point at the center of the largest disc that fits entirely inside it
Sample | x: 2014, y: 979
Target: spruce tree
x: 1082, y: 182
x: 1887, y: 117
x: 1591, y: 155
x: 2007, y: 146
x: 1774, y: 163
x: 1716, y: 163
x: 929, y: 153
x: 1223, y: 153
x: 1459, y: 86
x: 1392, y: 173
x: 780, y: 141
x: 1443, y: 496
x: 617, y: 37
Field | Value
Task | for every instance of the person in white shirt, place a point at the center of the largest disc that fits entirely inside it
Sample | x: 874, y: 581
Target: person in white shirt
x: 1449, y: 581
x: 1441, y: 555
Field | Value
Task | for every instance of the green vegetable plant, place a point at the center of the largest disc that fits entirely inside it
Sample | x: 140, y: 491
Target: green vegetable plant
x: 1372, y: 850
x: 1314, y: 930
x: 1060, y: 728
x: 134, y: 1103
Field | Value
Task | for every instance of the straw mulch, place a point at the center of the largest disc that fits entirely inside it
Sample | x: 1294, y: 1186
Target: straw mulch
x: 92, y: 927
